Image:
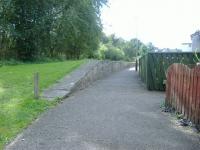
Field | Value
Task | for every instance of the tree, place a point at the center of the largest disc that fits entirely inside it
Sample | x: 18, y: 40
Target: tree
x: 151, y: 47
x: 113, y: 47
x: 40, y: 28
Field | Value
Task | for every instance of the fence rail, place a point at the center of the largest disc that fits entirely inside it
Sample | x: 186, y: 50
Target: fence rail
x: 153, y: 67
x: 182, y: 91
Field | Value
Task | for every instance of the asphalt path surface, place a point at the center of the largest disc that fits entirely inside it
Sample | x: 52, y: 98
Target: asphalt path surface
x: 115, y: 113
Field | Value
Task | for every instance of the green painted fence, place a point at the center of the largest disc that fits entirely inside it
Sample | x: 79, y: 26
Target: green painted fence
x: 153, y: 67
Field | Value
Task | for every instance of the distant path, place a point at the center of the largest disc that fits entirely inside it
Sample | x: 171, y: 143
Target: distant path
x: 116, y: 113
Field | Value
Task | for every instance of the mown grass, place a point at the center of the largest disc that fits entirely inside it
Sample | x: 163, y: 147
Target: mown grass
x: 18, y: 108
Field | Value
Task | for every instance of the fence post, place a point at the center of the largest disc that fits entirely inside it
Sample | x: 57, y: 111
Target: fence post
x: 36, y: 85
x: 136, y: 65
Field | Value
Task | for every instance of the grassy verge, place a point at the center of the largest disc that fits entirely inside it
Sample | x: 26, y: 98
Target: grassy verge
x: 18, y: 108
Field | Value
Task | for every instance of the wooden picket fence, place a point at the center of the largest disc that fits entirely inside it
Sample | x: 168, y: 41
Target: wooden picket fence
x: 183, y: 91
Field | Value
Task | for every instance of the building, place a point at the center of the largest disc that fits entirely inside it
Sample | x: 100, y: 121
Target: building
x: 196, y: 41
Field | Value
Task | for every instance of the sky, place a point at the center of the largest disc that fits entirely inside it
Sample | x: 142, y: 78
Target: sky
x: 165, y: 23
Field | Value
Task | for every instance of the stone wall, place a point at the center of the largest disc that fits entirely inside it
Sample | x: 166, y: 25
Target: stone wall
x: 100, y: 70
x: 83, y: 77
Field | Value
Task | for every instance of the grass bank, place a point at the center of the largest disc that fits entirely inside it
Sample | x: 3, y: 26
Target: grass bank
x: 18, y: 108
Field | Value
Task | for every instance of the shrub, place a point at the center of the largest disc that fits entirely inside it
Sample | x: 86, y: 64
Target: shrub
x: 108, y: 51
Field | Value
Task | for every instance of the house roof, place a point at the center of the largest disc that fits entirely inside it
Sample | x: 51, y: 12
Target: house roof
x: 186, y: 43
x: 197, y: 33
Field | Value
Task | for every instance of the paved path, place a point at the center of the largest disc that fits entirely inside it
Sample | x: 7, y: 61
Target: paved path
x: 115, y: 113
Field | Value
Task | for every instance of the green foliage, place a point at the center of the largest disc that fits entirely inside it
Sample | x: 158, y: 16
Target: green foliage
x: 108, y: 51
x: 197, y: 58
x: 100, y: 54
x: 18, y: 107
x: 113, y: 53
x: 49, y: 28
x: 179, y: 116
x: 115, y: 48
x: 150, y: 47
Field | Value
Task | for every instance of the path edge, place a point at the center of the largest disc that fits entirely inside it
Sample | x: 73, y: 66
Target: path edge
x: 100, y: 69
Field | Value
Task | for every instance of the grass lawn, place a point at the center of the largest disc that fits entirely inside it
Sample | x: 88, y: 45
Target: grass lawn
x: 18, y: 108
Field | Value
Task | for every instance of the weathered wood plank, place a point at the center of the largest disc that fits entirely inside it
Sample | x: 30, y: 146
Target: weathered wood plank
x: 36, y: 85
x: 182, y: 91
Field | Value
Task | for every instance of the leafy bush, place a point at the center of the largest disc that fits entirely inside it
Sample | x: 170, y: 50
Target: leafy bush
x: 115, y: 48
x: 108, y: 51
x: 113, y: 53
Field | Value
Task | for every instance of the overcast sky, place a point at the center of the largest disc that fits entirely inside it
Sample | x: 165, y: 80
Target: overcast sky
x: 165, y: 23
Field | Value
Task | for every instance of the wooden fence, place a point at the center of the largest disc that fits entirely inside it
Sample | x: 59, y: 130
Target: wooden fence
x: 153, y: 67
x: 183, y: 91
